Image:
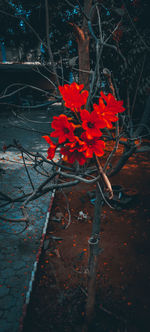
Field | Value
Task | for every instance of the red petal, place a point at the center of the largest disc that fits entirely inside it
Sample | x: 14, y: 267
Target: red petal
x: 49, y: 141
x: 51, y: 153
x: 85, y: 115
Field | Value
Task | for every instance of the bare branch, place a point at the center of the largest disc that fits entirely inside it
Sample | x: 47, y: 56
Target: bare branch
x: 24, y: 219
x: 37, y: 70
x: 122, y: 161
x: 99, y: 24
x: 48, y: 42
x: 53, y: 186
x: 68, y: 209
x: 29, y: 177
x: 39, y: 188
x: 76, y: 177
x: 5, y: 197
x: 12, y: 93
x: 137, y: 32
x: 118, y: 51
x: 25, y: 86
x: 13, y: 220
x: 18, y: 17
x: 138, y: 83
x: 104, y: 178
x: 112, y: 153
x: 70, y: 4
x: 116, y: 27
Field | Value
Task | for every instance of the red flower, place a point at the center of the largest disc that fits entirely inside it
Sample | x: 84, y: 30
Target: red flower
x: 92, y: 123
x: 105, y: 114
x: 108, y: 109
x: 93, y: 145
x: 77, y: 144
x: 63, y: 128
x: 72, y: 147
x: 73, y: 96
x: 71, y: 157
x: 113, y: 105
x: 52, y: 148
x: 74, y: 151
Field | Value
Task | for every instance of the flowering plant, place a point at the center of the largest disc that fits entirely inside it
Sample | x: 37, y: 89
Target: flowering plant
x: 80, y: 136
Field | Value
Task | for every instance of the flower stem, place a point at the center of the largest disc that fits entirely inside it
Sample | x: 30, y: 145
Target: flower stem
x: 104, y: 178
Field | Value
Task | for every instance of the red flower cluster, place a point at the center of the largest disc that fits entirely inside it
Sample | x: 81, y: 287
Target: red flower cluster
x: 73, y: 96
x: 63, y: 128
x: 52, y: 149
x: 74, y: 151
x: 79, y: 137
x: 108, y: 108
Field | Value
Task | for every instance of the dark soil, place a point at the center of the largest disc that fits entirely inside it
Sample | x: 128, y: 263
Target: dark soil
x: 123, y: 277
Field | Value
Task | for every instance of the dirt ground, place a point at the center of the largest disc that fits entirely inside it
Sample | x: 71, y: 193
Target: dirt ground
x: 123, y: 277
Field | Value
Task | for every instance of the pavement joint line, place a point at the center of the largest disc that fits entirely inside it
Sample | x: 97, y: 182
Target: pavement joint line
x: 35, y: 265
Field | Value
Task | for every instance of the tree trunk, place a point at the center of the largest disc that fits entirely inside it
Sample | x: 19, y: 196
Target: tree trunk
x: 93, y: 260
x: 84, y: 62
x: 83, y: 41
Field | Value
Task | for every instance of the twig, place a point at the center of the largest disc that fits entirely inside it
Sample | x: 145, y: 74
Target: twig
x: 29, y: 177
x: 25, y: 219
x: 24, y: 118
x: 26, y: 86
x: 112, y: 153
x: 99, y: 24
x: 138, y: 83
x: 82, y: 11
x: 116, y: 27
x: 122, y: 161
x: 137, y: 32
x: 104, y: 198
x: 18, y: 17
x: 5, y: 197
x: 47, y: 78
x: 39, y: 188
x: 104, y: 178
x: 68, y: 210
x: 107, y: 73
x: 48, y: 43
x: 12, y: 93
x: 50, y: 71
x: 62, y: 71
x: 118, y: 51
x: 76, y: 177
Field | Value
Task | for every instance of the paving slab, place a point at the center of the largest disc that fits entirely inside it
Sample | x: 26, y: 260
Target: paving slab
x: 20, y: 249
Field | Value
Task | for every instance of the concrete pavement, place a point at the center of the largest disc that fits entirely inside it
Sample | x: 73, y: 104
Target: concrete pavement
x: 19, y: 252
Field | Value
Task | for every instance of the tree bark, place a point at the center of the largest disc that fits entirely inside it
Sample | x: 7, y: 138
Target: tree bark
x: 83, y: 41
x: 93, y: 260
x: 84, y: 62
x: 49, y: 46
